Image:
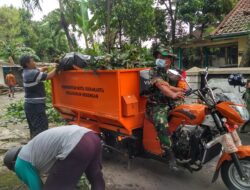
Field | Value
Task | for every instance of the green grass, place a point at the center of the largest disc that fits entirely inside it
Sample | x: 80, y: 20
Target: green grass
x: 9, y: 181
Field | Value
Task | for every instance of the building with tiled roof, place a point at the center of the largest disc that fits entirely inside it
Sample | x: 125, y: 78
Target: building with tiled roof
x: 236, y: 22
x: 230, y: 39
x: 236, y: 26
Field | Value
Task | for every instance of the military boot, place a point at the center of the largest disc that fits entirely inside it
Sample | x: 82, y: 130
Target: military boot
x: 169, y: 155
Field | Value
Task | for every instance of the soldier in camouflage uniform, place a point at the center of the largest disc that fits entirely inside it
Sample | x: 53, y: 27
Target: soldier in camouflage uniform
x: 162, y: 96
x: 246, y: 98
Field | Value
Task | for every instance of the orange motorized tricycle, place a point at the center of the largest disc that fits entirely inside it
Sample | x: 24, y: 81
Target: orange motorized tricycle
x: 109, y: 102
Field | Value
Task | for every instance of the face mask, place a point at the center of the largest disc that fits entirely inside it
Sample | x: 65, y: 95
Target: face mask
x: 160, y: 63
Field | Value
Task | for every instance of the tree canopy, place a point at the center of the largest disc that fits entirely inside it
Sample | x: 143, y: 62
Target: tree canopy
x: 104, y: 25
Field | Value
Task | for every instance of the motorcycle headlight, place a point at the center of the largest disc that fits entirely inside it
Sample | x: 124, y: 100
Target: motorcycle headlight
x: 242, y: 111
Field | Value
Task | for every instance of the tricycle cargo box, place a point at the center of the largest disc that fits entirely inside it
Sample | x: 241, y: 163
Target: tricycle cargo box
x: 107, y: 98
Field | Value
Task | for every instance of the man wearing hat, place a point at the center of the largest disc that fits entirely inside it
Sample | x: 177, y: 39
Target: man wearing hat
x: 162, y: 96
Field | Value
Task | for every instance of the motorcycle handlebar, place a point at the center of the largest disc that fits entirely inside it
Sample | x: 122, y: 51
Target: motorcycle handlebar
x: 190, y: 91
x: 201, y: 94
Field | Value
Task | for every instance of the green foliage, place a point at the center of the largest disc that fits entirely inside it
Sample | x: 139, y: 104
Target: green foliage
x: 83, y: 184
x: 20, y: 51
x: 95, y: 51
x: 32, y: 4
x: 115, y: 22
x: 189, y: 10
x: 10, y: 25
x: 83, y: 21
x: 19, y: 33
x: 15, y: 33
x: 66, y: 8
x: 53, y: 115
x: 27, y: 30
x: 15, y: 51
x: 9, y: 180
x: 129, y: 57
x: 136, y: 18
x: 203, y: 14
x: 161, y: 26
x: 130, y: 19
x: 15, y: 111
x: 51, y: 41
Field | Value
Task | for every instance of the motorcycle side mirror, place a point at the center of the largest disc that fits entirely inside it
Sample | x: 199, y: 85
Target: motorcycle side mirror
x: 177, y: 74
x: 173, y: 72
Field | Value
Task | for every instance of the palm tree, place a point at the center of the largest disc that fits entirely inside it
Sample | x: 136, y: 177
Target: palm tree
x: 63, y: 4
x: 82, y: 20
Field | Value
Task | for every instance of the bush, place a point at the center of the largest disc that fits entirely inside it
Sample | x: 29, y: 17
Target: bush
x: 16, y: 51
x: 15, y: 111
x: 129, y: 57
x: 53, y: 115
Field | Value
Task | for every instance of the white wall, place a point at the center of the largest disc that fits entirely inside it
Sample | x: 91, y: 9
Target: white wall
x: 2, y: 81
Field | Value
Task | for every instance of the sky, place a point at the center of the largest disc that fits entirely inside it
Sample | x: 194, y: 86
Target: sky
x: 47, y: 6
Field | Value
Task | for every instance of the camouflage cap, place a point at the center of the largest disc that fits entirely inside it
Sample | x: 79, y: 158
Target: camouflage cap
x: 166, y: 52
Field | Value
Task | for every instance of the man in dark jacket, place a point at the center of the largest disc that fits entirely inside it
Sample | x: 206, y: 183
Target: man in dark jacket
x: 34, y: 105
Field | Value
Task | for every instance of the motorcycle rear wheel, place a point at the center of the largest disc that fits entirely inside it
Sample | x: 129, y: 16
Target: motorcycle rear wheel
x: 231, y: 177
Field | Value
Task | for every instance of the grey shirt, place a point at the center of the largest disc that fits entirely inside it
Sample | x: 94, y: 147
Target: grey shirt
x: 51, y: 145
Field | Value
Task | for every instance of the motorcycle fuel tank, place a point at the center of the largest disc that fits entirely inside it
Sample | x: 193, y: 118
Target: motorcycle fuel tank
x: 191, y: 114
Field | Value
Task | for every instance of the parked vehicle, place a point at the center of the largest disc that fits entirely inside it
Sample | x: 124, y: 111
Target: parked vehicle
x: 238, y: 80
x: 109, y: 102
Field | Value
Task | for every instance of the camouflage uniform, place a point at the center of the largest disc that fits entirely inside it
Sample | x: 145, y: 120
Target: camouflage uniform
x: 247, y: 99
x: 158, y: 106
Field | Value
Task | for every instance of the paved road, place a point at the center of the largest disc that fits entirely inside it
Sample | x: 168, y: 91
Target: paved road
x: 153, y: 175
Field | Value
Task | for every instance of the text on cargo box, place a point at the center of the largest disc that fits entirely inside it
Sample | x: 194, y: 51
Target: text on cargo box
x: 84, y: 91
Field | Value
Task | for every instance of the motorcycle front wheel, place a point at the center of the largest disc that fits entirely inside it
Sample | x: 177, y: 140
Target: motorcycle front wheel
x: 231, y: 177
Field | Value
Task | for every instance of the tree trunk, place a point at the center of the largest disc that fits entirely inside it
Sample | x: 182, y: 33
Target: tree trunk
x: 202, y: 30
x: 114, y: 38
x: 202, y: 62
x: 173, y: 28
x: 86, y: 40
x: 191, y: 28
x: 173, y: 18
x: 120, y: 34
x: 65, y: 26
x: 108, y: 25
x: 92, y: 41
